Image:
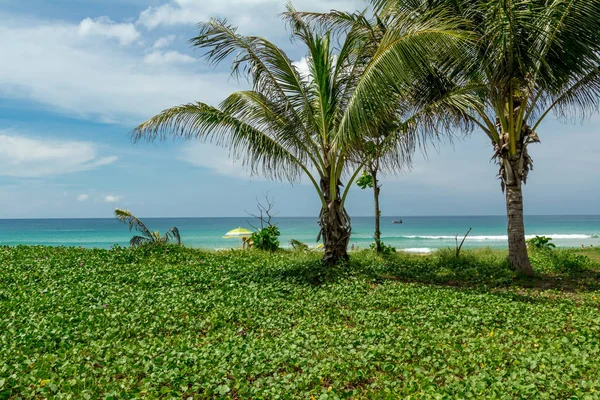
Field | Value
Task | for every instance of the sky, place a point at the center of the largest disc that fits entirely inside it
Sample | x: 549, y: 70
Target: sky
x: 76, y: 76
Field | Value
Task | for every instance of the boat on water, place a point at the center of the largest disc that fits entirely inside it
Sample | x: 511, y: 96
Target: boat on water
x: 398, y: 221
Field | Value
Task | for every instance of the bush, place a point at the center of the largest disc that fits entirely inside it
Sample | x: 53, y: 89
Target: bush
x: 540, y: 243
x: 266, y: 238
x: 485, y: 266
x: 386, y: 249
x: 561, y: 261
x: 298, y: 245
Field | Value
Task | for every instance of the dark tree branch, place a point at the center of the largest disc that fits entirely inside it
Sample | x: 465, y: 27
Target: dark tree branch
x: 265, y: 212
x: 458, y: 248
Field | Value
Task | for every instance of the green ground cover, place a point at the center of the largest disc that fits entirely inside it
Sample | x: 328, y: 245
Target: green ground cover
x: 182, y: 323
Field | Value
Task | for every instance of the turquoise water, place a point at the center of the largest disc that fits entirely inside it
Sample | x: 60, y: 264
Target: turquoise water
x: 416, y: 234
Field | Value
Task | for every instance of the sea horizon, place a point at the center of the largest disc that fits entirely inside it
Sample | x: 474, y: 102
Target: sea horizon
x: 309, y: 216
x: 419, y: 234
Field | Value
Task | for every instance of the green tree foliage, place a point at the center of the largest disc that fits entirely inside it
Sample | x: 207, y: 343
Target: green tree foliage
x: 523, y: 61
x: 384, y: 249
x: 298, y: 245
x: 541, y: 243
x: 288, y: 125
x: 266, y: 238
x: 403, y: 120
x: 365, y: 181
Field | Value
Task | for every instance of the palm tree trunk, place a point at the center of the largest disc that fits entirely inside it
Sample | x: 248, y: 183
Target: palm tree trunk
x: 377, y: 234
x: 517, y: 247
x: 335, y: 226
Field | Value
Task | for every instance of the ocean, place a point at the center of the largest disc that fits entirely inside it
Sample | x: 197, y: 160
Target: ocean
x: 414, y: 234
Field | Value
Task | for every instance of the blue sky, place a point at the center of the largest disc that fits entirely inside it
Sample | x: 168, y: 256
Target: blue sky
x: 77, y: 75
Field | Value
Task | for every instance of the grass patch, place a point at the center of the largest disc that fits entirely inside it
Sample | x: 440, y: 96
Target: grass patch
x: 592, y: 253
x: 174, y: 322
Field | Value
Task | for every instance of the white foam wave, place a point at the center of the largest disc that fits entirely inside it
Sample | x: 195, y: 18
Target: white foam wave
x: 417, y: 250
x: 499, y: 237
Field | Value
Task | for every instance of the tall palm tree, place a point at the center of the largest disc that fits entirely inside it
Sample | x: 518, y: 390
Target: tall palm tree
x: 290, y: 125
x: 526, y: 59
x: 147, y: 236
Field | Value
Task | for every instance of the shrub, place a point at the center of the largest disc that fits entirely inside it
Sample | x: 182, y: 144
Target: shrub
x: 298, y: 245
x: 266, y: 238
x: 562, y: 261
x: 386, y: 249
x: 540, y: 243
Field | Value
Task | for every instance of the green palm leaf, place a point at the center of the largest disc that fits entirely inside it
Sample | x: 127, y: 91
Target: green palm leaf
x: 133, y: 222
x: 172, y: 235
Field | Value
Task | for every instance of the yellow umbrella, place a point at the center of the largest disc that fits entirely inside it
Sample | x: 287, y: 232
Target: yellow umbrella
x: 239, y: 233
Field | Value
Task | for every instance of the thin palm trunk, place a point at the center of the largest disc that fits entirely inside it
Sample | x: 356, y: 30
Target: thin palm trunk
x: 514, y: 169
x: 376, y: 190
x: 517, y: 247
x: 335, y: 226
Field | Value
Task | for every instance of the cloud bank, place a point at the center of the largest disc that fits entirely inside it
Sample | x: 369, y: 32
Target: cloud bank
x: 26, y: 157
x: 92, y: 75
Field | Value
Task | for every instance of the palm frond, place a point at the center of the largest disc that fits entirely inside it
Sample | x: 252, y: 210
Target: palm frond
x: 140, y: 240
x: 133, y: 222
x: 172, y: 235
x: 268, y: 68
x: 256, y: 148
x: 339, y: 22
x: 267, y: 116
x: 582, y: 98
x: 403, y: 55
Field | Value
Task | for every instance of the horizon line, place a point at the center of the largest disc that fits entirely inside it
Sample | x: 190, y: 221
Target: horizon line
x: 302, y: 216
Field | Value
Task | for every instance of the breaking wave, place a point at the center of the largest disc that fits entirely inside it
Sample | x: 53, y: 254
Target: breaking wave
x: 498, y: 237
x: 418, y: 250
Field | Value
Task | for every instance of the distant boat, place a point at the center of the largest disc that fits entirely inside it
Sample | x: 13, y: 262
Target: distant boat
x: 398, y: 221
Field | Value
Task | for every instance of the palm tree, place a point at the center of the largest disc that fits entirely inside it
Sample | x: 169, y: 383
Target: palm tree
x: 148, y: 237
x: 290, y: 125
x: 417, y: 112
x: 526, y: 59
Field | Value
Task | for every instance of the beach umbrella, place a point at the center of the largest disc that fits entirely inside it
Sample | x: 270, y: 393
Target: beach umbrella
x: 237, y: 233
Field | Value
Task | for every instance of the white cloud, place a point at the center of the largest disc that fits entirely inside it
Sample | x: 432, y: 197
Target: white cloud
x: 214, y: 158
x: 88, y: 72
x: 164, y: 41
x: 166, y: 58
x: 247, y: 14
x: 22, y: 156
x: 177, y: 12
x: 302, y: 66
x: 112, y: 199
x: 104, y: 27
x: 94, y: 78
x: 83, y: 197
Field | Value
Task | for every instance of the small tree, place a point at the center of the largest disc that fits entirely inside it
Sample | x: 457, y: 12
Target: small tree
x: 388, y: 153
x: 267, y: 236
